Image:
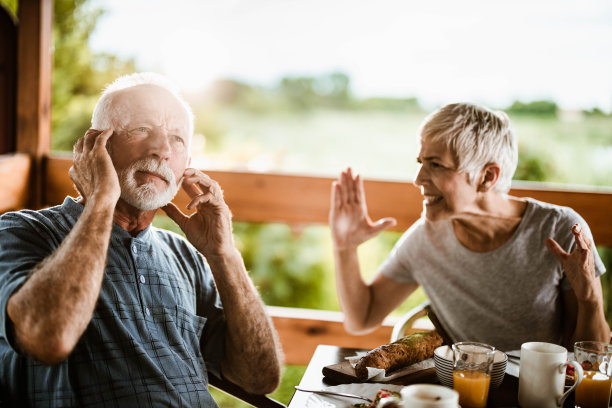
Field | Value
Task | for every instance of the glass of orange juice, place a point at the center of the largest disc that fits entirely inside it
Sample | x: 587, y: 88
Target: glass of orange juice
x: 472, y: 373
x: 594, y: 389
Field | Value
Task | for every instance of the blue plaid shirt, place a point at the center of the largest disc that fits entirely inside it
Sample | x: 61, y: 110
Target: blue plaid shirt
x: 156, y: 332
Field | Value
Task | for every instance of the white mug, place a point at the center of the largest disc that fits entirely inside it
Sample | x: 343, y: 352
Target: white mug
x: 542, y: 375
x: 429, y: 396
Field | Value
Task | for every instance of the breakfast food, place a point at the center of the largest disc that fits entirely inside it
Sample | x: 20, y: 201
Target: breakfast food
x: 381, y: 395
x: 401, y: 353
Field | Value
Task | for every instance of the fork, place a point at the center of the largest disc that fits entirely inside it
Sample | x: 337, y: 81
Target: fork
x: 339, y: 394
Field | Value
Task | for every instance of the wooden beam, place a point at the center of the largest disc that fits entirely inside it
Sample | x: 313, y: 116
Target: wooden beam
x: 299, y: 200
x: 14, y: 181
x: 8, y: 80
x: 301, y: 330
x: 34, y: 65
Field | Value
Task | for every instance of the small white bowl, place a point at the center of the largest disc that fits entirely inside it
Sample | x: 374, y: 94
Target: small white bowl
x: 443, y: 361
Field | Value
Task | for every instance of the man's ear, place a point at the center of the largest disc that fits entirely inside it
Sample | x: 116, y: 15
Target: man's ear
x: 488, y: 177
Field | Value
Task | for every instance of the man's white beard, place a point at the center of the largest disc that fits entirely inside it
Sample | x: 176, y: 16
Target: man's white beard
x: 145, y: 197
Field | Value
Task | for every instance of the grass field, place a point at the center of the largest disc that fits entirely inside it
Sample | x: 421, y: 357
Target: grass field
x: 382, y: 144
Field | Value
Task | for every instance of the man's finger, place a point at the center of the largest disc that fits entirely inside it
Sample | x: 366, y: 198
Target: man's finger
x: 89, y: 140
x: 555, y: 249
x: 201, y: 199
x: 100, y: 141
x: 78, y: 146
x: 190, y: 187
x: 175, y: 214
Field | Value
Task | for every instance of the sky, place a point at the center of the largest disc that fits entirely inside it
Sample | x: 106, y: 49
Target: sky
x: 440, y: 51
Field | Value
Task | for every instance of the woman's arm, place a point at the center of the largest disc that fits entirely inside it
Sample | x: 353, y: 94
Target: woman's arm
x: 364, y: 305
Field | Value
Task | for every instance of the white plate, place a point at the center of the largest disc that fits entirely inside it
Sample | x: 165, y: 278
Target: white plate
x: 367, y: 390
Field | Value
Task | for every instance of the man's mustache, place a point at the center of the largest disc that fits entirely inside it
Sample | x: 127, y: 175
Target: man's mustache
x: 152, y: 165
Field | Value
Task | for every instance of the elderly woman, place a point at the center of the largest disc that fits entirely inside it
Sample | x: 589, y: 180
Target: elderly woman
x: 497, y: 269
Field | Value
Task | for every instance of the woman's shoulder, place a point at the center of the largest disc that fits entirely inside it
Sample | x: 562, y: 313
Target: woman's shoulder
x: 542, y: 210
x: 544, y: 220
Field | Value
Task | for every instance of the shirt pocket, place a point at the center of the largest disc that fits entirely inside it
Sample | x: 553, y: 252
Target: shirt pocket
x: 190, y: 328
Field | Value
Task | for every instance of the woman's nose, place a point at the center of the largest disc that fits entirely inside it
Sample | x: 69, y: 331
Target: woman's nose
x: 420, y: 176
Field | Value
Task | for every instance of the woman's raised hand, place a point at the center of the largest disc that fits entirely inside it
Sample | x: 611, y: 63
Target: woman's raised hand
x: 348, y: 217
x: 579, y: 266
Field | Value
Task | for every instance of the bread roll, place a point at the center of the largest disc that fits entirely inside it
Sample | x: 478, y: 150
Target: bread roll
x: 401, y: 353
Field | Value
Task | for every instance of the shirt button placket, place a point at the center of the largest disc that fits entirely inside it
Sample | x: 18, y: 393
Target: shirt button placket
x: 141, y: 278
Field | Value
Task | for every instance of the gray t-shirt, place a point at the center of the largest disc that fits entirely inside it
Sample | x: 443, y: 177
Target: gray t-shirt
x: 503, y: 297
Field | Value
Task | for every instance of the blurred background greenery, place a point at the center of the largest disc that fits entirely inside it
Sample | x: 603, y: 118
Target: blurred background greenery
x: 314, y: 125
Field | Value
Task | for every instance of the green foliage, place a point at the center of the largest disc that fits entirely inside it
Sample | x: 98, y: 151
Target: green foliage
x: 290, y: 268
x: 290, y: 378
x: 597, y: 112
x: 541, y: 108
x: 78, y: 74
x: 11, y: 6
x: 532, y: 166
x: 391, y: 104
x: 606, y: 281
x: 301, y: 93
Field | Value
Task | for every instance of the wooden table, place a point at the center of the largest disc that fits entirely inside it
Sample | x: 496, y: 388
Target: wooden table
x: 505, y: 396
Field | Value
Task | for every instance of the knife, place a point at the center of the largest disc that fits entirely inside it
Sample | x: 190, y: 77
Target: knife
x: 339, y: 394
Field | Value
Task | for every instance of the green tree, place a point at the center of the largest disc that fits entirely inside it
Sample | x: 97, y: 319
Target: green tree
x: 10, y: 5
x: 79, y: 75
x: 541, y: 108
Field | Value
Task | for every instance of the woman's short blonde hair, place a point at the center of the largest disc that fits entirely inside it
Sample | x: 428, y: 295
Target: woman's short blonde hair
x: 476, y: 136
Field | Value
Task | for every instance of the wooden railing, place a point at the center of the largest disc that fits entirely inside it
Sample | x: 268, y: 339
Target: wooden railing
x: 299, y: 200
x: 265, y: 198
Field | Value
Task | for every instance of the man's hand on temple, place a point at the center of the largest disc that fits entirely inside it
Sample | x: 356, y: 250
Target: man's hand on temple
x: 92, y: 171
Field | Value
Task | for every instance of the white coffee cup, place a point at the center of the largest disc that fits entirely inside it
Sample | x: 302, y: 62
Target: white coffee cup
x: 429, y: 396
x: 542, y: 375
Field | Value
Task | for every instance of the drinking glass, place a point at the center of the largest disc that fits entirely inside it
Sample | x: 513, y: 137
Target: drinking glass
x: 472, y: 364
x: 595, y: 359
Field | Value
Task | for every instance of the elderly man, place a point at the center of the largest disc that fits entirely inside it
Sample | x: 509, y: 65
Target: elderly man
x: 99, y: 308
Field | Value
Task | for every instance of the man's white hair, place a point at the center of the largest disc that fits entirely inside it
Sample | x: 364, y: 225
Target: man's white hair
x: 104, y: 114
x: 476, y: 136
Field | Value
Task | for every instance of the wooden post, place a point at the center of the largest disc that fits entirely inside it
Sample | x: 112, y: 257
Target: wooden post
x: 34, y: 65
x: 8, y: 75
